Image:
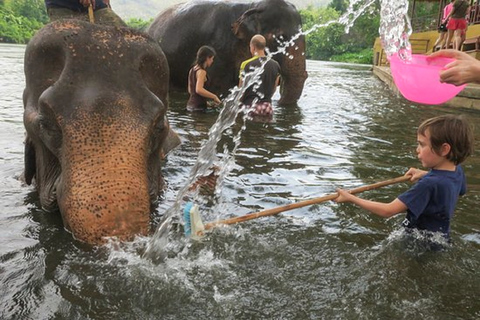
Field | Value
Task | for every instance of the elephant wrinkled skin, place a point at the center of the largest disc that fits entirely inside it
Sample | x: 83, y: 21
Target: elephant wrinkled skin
x: 95, y: 114
x: 228, y: 27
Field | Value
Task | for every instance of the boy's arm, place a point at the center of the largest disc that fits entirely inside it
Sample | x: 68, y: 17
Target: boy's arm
x: 381, y: 209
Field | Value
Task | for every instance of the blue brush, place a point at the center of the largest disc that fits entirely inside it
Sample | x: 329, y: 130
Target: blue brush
x: 186, y: 218
x: 193, y: 226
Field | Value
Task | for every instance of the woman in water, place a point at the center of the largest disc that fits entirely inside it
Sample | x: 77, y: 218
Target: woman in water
x: 198, y: 79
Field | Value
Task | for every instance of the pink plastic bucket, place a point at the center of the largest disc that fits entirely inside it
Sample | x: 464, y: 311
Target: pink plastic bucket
x: 419, y: 81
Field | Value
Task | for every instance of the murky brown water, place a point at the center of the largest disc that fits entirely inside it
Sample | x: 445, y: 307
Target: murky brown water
x: 327, y: 261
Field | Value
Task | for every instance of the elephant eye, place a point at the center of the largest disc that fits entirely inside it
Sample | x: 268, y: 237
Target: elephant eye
x: 46, y: 124
x: 50, y: 133
x: 158, y: 131
x: 159, y: 124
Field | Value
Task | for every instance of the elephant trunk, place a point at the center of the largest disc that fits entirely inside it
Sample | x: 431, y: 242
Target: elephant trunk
x: 103, y: 190
x: 293, y: 72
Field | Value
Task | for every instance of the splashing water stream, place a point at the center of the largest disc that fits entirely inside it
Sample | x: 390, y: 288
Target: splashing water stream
x: 395, y: 30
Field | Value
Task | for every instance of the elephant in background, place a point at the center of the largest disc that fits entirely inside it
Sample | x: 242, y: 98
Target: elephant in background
x: 95, y: 106
x: 228, y: 27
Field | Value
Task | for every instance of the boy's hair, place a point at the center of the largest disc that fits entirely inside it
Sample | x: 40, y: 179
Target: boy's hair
x: 451, y: 129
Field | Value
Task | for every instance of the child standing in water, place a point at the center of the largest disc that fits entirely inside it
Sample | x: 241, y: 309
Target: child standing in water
x: 444, y: 142
x: 198, y: 79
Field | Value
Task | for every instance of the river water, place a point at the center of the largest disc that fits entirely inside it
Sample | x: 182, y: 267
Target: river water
x: 329, y: 261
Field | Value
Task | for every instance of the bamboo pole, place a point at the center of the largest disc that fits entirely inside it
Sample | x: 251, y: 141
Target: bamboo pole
x: 276, y: 210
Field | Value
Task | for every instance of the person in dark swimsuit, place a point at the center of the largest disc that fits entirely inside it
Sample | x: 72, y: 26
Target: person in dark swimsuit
x: 198, y: 80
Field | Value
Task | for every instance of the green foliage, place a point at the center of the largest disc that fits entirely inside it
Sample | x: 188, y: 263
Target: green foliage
x: 327, y: 38
x: 139, y: 24
x: 364, y: 57
x: 20, y: 19
x: 323, y: 36
x: 426, y: 14
x: 339, y: 5
x: 30, y: 9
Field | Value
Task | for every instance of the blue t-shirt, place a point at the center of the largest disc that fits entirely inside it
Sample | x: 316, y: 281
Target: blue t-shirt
x: 74, y: 5
x: 431, y: 201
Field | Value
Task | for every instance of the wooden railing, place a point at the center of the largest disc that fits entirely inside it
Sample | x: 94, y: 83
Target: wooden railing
x: 419, y: 46
x: 424, y: 23
x: 431, y: 22
x: 474, y: 14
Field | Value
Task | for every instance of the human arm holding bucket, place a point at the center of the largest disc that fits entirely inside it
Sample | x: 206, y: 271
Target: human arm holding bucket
x: 465, y: 68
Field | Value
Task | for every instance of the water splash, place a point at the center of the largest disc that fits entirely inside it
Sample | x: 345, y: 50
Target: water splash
x: 207, y: 160
x: 395, y: 28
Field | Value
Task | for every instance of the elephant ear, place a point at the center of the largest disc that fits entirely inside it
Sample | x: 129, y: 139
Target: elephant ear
x: 29, y: 159
x: 247, y: 25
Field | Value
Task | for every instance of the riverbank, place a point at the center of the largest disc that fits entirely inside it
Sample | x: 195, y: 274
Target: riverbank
x: 468, y: 98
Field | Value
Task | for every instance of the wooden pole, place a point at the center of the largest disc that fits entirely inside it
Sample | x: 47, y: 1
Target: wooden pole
x: 274, y: 211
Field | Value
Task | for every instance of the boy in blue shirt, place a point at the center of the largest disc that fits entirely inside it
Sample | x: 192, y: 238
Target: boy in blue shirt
x: 443, y: 143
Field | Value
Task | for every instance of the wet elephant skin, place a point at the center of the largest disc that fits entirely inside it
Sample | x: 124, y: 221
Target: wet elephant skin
x: 228, y: 27
x: 95, y: 114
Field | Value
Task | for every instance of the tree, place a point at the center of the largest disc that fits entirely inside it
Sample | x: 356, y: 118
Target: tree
x: 323, y: 39
x: 30, y: 9
x: 327, y: 38
x: 339, y: 5
x: 20, y: 19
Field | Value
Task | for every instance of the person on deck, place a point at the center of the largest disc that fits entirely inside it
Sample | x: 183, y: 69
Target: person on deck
x: 258, y: 98
x: 442, y: 30
x: 198, y: 80
x: 457, y: 22
x: 444, y: 142
x: 78, y: 9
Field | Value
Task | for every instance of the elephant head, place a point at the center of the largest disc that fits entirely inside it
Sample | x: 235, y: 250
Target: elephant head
x: 95, y: 106
x: 280, y: 23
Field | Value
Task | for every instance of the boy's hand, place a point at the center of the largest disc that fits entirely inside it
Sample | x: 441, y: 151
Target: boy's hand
x: 343, y: 196
x: 415, y: 174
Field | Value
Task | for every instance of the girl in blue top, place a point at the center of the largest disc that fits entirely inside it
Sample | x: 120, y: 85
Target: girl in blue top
x: 443, y: 143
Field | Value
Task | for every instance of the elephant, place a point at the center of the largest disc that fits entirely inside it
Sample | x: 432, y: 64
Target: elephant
x: 228, y: 27
x: 95, y: 115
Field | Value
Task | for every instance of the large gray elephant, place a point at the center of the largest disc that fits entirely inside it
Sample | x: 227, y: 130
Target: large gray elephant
x: 95, y: 114
x: 228, y: 27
